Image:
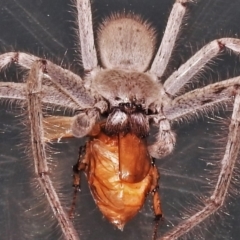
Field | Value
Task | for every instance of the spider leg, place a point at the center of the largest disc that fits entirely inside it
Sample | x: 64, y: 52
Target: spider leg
x: 34, y: 90
x: 196, y: 63
x: 202, y: 99
x: 85, y: 33
x: 63, y: 80
x: 51, y: 96
x: 172, y: 29
x: 220, y: 192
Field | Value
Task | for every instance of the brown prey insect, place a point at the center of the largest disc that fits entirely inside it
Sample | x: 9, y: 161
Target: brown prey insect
x: 120, y: 174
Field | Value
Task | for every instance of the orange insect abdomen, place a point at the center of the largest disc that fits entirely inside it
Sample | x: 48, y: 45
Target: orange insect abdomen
x: 119, y: 175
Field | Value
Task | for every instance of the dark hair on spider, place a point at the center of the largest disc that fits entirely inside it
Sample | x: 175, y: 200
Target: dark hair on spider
x: 127, y: 118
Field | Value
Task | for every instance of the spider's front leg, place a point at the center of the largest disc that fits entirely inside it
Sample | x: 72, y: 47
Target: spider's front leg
x: 197, y: 102
x: 202, y: 99
x: 217, y: 199
x: 34, y: 102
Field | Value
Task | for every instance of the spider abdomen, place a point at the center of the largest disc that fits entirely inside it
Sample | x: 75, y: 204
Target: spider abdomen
x: 126, y: 42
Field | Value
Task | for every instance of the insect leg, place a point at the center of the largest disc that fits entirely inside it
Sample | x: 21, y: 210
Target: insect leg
x: 154, y: 191
x: 80, y: 166
x: 157, y: 208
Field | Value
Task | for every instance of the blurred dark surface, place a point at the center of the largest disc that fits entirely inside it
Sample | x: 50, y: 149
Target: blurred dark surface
x: 45, y: 28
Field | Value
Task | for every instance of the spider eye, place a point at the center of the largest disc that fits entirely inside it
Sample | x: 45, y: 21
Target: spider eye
x: 139, y: 106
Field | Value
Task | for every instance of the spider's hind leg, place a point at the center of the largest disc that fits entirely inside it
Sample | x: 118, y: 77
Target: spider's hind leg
x: 172, y: 30
x: 86, y: 38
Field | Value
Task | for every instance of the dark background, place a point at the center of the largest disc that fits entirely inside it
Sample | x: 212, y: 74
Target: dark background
x: 46, y: 28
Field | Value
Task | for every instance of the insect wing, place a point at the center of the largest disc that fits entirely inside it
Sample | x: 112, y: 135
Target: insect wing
x: 57, y: 127
x: 134, y: 159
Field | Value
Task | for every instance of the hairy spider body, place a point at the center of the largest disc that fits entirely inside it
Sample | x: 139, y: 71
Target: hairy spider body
x: 124, y: 90
x: 127, y: 91
x: 120, y: 174
x: 117, y: 163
